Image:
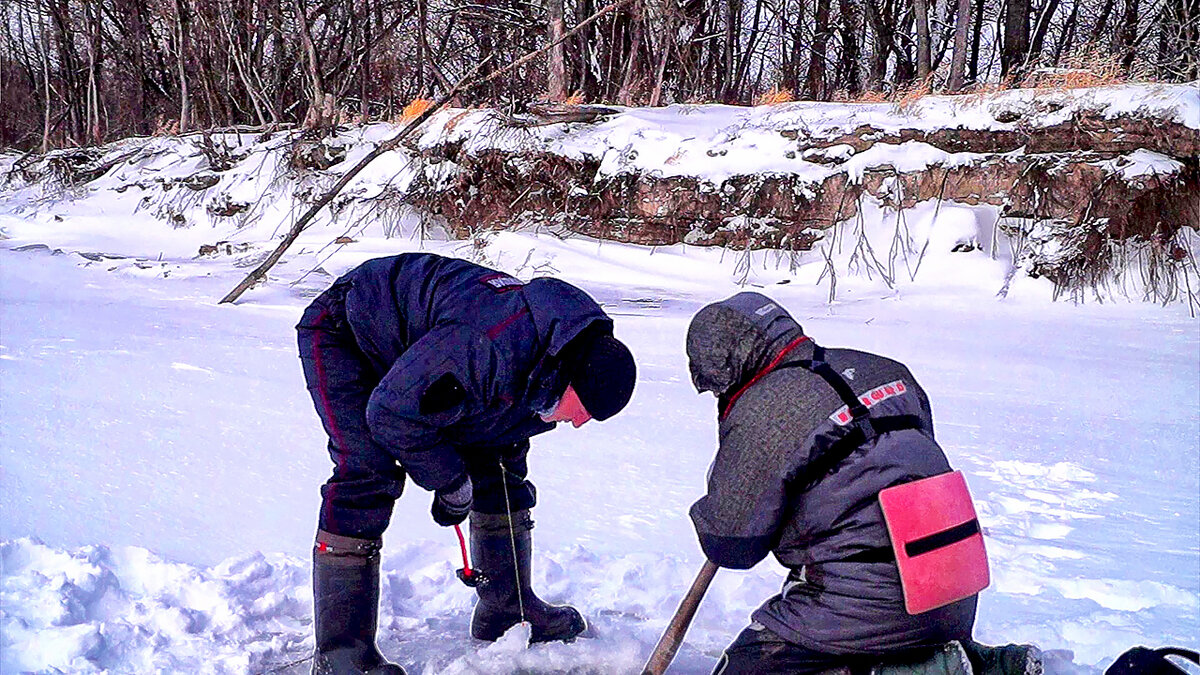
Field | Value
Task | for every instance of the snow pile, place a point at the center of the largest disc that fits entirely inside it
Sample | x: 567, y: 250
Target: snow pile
x: 101, y: 609
x: 98, y: 609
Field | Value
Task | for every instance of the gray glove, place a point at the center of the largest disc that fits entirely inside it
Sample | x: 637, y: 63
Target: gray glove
x: 452, y: 503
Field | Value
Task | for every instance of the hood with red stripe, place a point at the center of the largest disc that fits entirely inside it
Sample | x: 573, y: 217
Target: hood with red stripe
x: 730, y: 341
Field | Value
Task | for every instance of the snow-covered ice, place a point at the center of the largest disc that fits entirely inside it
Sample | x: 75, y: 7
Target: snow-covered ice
x: 160, y: 459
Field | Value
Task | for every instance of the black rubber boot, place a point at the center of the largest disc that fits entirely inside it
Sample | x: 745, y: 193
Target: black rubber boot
x: 508, y: 590
x: 346, y: 604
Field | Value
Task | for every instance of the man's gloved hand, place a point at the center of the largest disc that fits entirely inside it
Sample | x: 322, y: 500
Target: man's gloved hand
x: 452, y: 503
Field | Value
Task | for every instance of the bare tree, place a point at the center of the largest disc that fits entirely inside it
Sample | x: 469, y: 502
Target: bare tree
x: 1016, y: 38
x: 921, y: 9
x: 730, y: 51
x: 318, y: 107
x: 816, y: 63
x: 1040, y: 30
x: 1067, y: 34
x: 45, y: 80
x: 879, y: 46
x: 85, y: 71
x: 976, y: 37
x: 850, y: 29
x: 962, y: 30
x: 556, y: 85
x: 1128, y: 37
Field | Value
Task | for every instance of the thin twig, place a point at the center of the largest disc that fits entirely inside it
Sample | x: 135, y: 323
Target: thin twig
x: 390, y: 144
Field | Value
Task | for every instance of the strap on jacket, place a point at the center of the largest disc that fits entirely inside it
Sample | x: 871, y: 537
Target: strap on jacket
x: 866, y: 427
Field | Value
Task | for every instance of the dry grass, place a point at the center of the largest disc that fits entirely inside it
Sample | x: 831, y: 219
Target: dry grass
x: 166, y: 127
x: 907, y: 97
x: 774, y: 97
x: 414, y: 108
x: 455, y: 120
x: 843, y: 96
x: 574, y: 99
x: 1090, y: 68
x: 1094, y: 67
x: 980, y: 92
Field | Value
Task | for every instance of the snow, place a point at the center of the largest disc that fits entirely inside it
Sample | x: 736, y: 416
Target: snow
x: 160, y: 459
x: 716, y: 142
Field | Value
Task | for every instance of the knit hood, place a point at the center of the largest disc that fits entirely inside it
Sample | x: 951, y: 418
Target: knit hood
x: 728, y: 342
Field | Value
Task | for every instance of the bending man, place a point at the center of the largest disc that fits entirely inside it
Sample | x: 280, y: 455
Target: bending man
x: 442, y: 370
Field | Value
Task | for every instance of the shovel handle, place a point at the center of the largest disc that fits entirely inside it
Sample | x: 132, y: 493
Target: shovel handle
x: 672, y: 637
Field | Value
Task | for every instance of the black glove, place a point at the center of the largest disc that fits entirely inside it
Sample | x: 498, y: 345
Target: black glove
x: 452, y: 503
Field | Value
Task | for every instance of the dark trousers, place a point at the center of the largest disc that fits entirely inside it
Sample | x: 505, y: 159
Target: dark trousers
x: 759, y: 651
x: 358, y: 498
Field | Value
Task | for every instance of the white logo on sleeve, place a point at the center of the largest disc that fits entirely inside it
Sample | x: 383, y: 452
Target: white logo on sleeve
x: 765, y: 309
x: 502, y: 282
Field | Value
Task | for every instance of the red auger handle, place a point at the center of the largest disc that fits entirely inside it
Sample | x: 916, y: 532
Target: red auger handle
x: 462, y: 544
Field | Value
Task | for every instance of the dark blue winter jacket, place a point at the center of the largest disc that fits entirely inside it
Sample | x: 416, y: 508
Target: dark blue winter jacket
x: 465, y: 355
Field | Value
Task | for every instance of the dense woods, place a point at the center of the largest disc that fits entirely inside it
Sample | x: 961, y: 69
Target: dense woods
x: 77, y: 72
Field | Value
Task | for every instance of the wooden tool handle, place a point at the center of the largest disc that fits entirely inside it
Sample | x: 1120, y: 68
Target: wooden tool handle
x: 672, y: 637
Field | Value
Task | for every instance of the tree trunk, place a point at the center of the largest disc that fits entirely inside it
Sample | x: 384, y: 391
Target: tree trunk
x: 958, y: 62
x: 816, y: 62
x: 185, y: 105
x: 278, y: 69
x: 921, y: 9
x: 316, y: 108
x: 669, y: 19
x: 364, y: 73
x: 752, y: 40
x: 585, y: 79
x: 1101, y: 23
x: 976, y: 35
x: 1068, y: 34
x: 556, y: 82
x: 792, y: 49
x: 1129, y: 35
x: 879, y: 47
x: 733, y: 13
x: 906, y: 68
x: 93, y: 90
x: 45, y: 79
x: 631, y: 77
x: 1039, y: 32
x: 850, y: 46
x: 1016, y: 38
x: 68, y: 67
x: 1188, y: 38
x: 429, y: 59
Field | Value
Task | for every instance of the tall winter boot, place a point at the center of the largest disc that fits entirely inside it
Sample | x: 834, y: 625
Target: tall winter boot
x: 507, y: 592
x: 346, y: 603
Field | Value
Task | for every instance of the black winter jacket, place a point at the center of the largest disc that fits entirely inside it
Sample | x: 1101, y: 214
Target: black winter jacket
x: 466, y: 355
x: 769, y: 492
